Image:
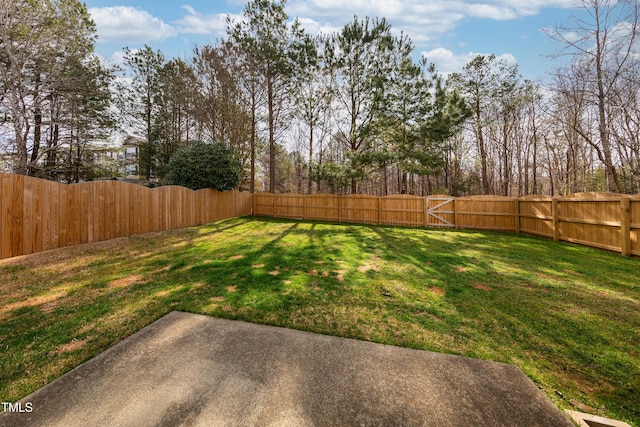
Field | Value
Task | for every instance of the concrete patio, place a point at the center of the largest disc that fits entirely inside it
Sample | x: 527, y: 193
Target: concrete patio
x: 193, y: 370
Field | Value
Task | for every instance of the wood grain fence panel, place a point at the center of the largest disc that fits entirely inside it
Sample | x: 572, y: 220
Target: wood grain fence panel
x: 634, y: 225
x: 147, y: 211
x: 359, y: 208
x: 84, y: 213
x: 156, y: 213
x: 38, y: 200
x: 28, y: 216
x: 110, y: 207
x: 99, y: 191
x: 178, y: 207
x: 184, y: 219
x: 72, y: 217
x: 214, y: 208
x: 165, y: 206
x: 192, y: 209
x: 290, y: 206
x: 323, y: 207
x: 119, y: 206
x: 177, y: 211
x: 63, y: 216
x: 176, y: 195
x: 37, y: 215
x: 219, y: 204
x: 99, y: 209
x: 6, y: 205
x: 17, y: 199
x: 3, y: 205
x: 74, y: 205
x: 201, y: 197
x: 401, y: 210
x: 45, y: 207
x: 592, y: 221
x: 54, y: 212
x: 264, y: 204
x: 91, y: 219
x: 443, y: 210
x: 536, y: 215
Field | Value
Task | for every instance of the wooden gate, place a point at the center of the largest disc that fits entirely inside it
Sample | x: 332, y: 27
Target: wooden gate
x: 439, y: 212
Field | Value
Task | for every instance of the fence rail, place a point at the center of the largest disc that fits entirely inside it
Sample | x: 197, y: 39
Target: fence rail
x: 37, y: 215
x: 602, y: 220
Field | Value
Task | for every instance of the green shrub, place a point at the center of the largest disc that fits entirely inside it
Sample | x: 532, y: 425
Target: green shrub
x: 202, y: 165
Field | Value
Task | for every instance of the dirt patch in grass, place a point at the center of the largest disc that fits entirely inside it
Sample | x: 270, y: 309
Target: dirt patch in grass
x: 532, y: 311
x: 86, y: 328
x: 575, y: 273
x: 437, y: 291
x: 436, y: 318
x: 126, y: 281
x: 72, y: 346
x: 48, y: 303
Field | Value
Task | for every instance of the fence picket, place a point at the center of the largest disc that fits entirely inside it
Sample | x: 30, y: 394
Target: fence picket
x: 37, y: 215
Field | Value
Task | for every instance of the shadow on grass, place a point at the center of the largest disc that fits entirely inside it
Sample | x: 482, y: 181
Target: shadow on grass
x: 571, y: 325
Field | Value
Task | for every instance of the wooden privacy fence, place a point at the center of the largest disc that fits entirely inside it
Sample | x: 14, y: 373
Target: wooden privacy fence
x: 603, y: 220
x: 36, y: 215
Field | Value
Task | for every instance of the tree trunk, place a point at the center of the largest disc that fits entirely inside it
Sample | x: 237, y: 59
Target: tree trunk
x: 252, y: 183
x: 612, y: 176
x: 272, y: 143
x: 310, y: 189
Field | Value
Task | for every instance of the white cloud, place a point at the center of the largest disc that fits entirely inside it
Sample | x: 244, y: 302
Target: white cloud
x: 313, y: 27
x: 422, y: 21
x: 198, y: 23
x: 128, y: 24
x: 448, y: 62
x: 117, y: 57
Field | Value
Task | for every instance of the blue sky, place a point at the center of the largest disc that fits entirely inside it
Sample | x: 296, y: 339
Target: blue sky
x: 448, y: 32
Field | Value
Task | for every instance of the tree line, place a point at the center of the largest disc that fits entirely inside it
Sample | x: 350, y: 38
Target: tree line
x: 348, y: 112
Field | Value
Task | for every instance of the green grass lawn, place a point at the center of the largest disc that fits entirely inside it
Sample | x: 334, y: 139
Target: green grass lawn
x: 568, y: 316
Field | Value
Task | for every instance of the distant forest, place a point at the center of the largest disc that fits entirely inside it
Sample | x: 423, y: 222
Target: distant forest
x: 348, y: 112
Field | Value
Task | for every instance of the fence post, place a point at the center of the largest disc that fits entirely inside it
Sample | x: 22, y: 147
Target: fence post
x: 556, y: 223
x: 516, y: 210
x: 379, y: 197
x: 425, y: 211
x: 456, y: 220
x: 304, y: 201
x: 625, y: 225
x: 274, y: 206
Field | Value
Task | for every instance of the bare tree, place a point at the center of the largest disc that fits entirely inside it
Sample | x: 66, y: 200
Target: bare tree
x: 603, y: 42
